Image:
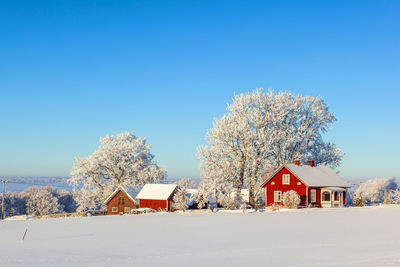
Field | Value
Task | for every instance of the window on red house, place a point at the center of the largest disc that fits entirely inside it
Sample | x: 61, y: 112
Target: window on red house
x: 326, y: 196
x: 277, y: 196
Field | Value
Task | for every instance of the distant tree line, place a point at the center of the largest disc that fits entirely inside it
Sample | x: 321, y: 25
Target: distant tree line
x: 39, y: 201
x: 376, y: 191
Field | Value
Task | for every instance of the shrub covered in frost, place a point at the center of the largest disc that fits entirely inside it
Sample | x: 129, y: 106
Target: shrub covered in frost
x: 275, y: 207
x: 291, y: 199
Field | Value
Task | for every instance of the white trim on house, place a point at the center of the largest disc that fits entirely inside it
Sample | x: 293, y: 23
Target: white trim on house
x: 285, y: 178
x: 266, y: 195
x: 332, y: 202
x: 126, y: 192
x: 307, y: 196
x: 277, y: 193
x: 313, y: 195
x: 335, y: 188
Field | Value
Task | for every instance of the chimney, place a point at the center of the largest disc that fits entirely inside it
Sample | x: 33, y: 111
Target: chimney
x: 311, y: 163
x: 297, y: 162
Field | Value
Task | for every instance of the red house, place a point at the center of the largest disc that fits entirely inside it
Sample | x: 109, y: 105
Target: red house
x: 156, y: 196
x: 121, y: 200
x: 319, y: 186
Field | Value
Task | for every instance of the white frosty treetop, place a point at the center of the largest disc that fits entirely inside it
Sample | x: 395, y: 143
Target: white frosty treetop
x: 120, y: 160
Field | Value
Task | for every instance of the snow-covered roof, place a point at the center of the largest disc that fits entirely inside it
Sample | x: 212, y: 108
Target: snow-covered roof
x: 156, y: 191
x: 317, y: 176
x: 130, y: 191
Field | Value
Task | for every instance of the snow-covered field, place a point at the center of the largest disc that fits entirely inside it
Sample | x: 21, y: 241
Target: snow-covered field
x: 368, y: 236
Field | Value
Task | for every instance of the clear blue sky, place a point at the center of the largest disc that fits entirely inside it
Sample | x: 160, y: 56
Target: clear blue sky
x: 73, y: 71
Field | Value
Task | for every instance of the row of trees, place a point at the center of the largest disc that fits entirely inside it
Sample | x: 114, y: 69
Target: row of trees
x: 39, y: 201
x: 377, y: 191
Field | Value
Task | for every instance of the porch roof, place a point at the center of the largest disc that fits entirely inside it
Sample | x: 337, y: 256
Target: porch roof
x: 332, y: 188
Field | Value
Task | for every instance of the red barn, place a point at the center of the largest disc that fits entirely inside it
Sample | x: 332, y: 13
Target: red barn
x: 156, y: 196
x: 318, y: 186
x: 121, y: 200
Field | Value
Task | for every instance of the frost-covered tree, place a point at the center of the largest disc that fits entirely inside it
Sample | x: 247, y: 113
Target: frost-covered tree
x: 374, y: 190
x: 120, y: 160
x: 181, y: 199
x: 66, y: 201
x: 14, y: 204
x: 90, y: 200
x: 260, y: 132
x: 215, y: 190
x: 291, y: 199
x: 41, y: 200
x: 395, y: 196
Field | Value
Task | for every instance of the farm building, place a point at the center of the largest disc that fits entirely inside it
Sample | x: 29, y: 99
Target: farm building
x: 156, y: 196
x: 121, y: 200
x: 318, y: 186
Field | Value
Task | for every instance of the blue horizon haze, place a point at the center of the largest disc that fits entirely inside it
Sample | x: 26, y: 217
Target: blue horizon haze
x: 74, y: 71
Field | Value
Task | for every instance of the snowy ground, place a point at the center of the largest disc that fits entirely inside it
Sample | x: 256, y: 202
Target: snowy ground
x: 310, y: 237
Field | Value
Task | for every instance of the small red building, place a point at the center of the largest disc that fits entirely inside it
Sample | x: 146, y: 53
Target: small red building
x: 156, y: 196
x: 121, y: 200
x: 318, y: 186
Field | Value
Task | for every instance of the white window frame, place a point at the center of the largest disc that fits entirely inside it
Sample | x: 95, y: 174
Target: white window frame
x: 277, y: 196
x: 286, y: 179
x: 114, y: 209
x: 313, y: 195
x: 127, y: 209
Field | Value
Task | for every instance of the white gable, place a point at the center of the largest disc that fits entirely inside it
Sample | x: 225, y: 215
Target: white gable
x: 156, y: 191
x: 317, y: 176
